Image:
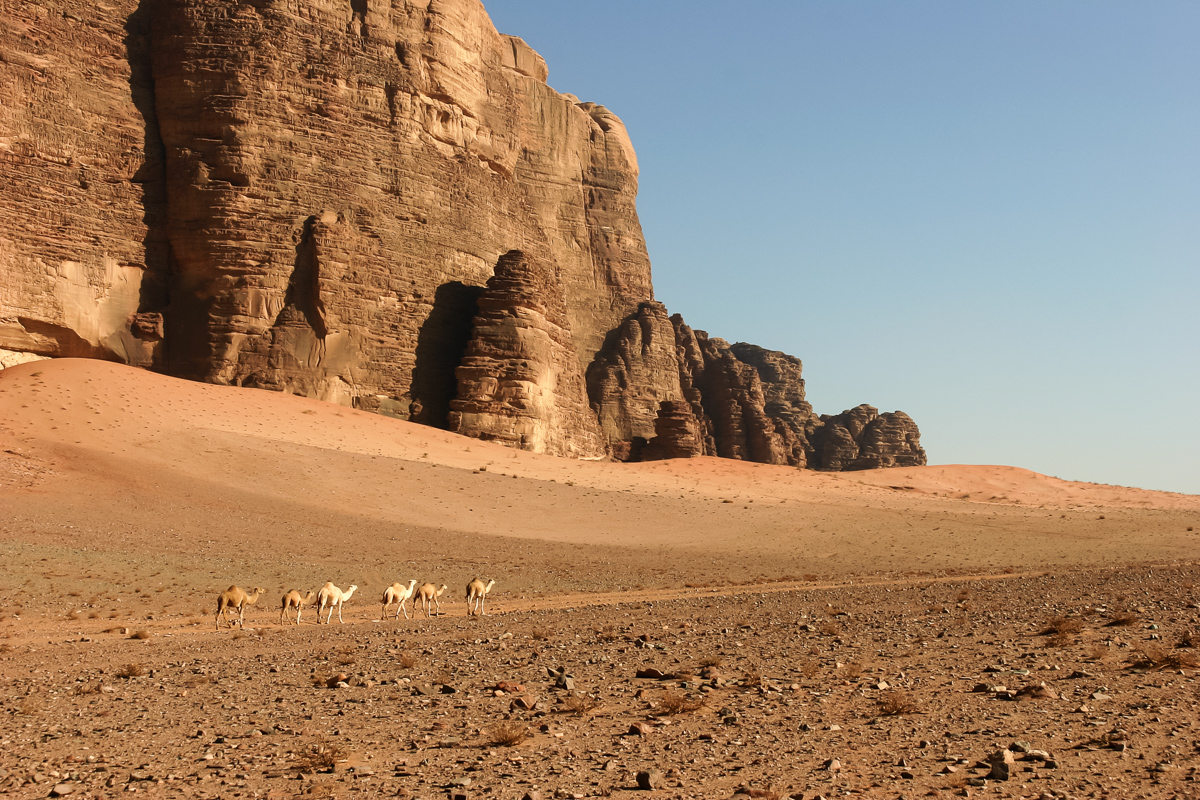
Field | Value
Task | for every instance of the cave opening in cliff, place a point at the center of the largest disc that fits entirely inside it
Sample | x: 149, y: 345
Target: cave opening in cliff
x: 441, y: 343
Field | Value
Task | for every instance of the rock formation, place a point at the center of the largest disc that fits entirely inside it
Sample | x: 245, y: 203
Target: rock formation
x: 311, y: 197
x: 862, y: 438
x: 518, y: 382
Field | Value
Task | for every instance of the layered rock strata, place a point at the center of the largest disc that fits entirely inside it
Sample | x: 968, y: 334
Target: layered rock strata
x: 862, y: 438
x: 518, y: 382
x: 319, y: 197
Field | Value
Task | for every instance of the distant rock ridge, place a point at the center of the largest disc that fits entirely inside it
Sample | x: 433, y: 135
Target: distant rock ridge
x: 411, y: 222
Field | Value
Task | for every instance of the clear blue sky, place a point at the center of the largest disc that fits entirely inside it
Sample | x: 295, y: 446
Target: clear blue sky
x: 985, y: 214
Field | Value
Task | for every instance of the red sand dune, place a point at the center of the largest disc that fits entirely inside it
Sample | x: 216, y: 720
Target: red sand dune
x: 121, y: 460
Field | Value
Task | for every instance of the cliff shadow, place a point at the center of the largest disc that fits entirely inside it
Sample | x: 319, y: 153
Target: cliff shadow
x: 151, y: 177
x: 441, y: 343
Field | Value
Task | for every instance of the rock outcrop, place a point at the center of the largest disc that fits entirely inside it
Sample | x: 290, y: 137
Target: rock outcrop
x: 518, y: 382
x: 311, y: 197
x: 862, y: 438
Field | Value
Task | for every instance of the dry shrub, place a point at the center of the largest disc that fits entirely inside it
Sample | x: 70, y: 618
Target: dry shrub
x: 828, y: 628
x: 320, y: 756
x: 752, y: 678
x: 1123, y: 619
x: 809, y: 667
x: 852, y: 670
x: 579, y: 704
x: 140, y: 635
x: 672, y: 703
x: 406, y: 661
x: 1155, y: 658
x: 345, y: 660
x: 608, y: 633
x: 1062, y: 626
x: 507, y: 734
x: 90, y: 687
x: 897, y: 702
x: 131, y: 671
x: 712, y: 661
x: 1060, y: 640
x: 539, y: 634
x: 1188, y: 639
x: 443, y: 678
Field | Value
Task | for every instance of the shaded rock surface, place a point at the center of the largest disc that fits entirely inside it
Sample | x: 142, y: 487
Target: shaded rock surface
x: 179, y: 195
x: 862, y: 438
x: 517, y: 383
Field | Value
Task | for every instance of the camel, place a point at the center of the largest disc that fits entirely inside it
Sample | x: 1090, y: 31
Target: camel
x: 397, y: 593
x: 294, y: 599
x: 477, y: 591
x: 331, y: 596
x: 236, y: 598
x: 428, y: 595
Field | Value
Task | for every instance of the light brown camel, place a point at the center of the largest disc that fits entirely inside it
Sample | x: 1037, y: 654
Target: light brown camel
x: 428, y: 595
x: 331, y: 596
x: 476, y: 592
x: 397, y: 593
x: 294, y: 599
x: 236, y: 598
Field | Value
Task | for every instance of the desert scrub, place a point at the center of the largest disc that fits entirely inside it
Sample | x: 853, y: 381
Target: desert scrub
x: 897, y: 702
x: 507, y: 734
x: 579, y: 704
x: 1156, y: 659
x: 1062, y: 626
x: 672, y: 703
x: 320, y: 756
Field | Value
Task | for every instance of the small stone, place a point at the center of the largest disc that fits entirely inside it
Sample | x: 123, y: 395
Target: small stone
x: 1019, y: 747
x: 640, y: 729
x: 650, y: 672
x: 832, y: 765
x: 525, y: 702
x: 650, y: 779
x: 62, y: 790
x: 977, y: 782
x: 1000, y: 771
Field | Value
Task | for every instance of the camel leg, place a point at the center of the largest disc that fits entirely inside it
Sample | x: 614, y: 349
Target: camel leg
x: 406, y: 616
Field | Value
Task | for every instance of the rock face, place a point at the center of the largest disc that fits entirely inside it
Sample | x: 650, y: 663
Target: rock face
x: 518, y: 382
x: 862, y: 438
x: 180, y: 195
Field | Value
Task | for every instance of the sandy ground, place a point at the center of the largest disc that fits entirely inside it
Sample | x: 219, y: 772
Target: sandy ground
x: 129, y: 500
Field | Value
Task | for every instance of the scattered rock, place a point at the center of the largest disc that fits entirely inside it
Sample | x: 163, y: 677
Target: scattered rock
x: 651, y: 779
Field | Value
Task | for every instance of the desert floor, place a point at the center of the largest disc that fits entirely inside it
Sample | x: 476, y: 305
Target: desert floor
x: 876, y: 634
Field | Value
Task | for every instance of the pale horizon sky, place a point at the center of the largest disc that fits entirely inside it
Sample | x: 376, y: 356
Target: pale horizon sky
x: 984, y: 214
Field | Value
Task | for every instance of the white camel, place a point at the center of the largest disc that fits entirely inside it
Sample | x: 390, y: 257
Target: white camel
x: 331, y: 596
x: 397, y: 593
x: 476, y: 592
x: 294, y: 599
x: 236, y: 598
x: 429, y: 594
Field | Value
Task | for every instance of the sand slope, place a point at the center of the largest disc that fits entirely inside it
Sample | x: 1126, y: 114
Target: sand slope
x: 101, y: 456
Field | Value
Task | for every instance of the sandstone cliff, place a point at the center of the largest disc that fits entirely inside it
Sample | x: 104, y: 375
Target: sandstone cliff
x: 318, y: 197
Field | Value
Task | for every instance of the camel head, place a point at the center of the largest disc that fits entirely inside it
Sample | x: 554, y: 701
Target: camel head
x: 346, y: 594
x: 257, y: 591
